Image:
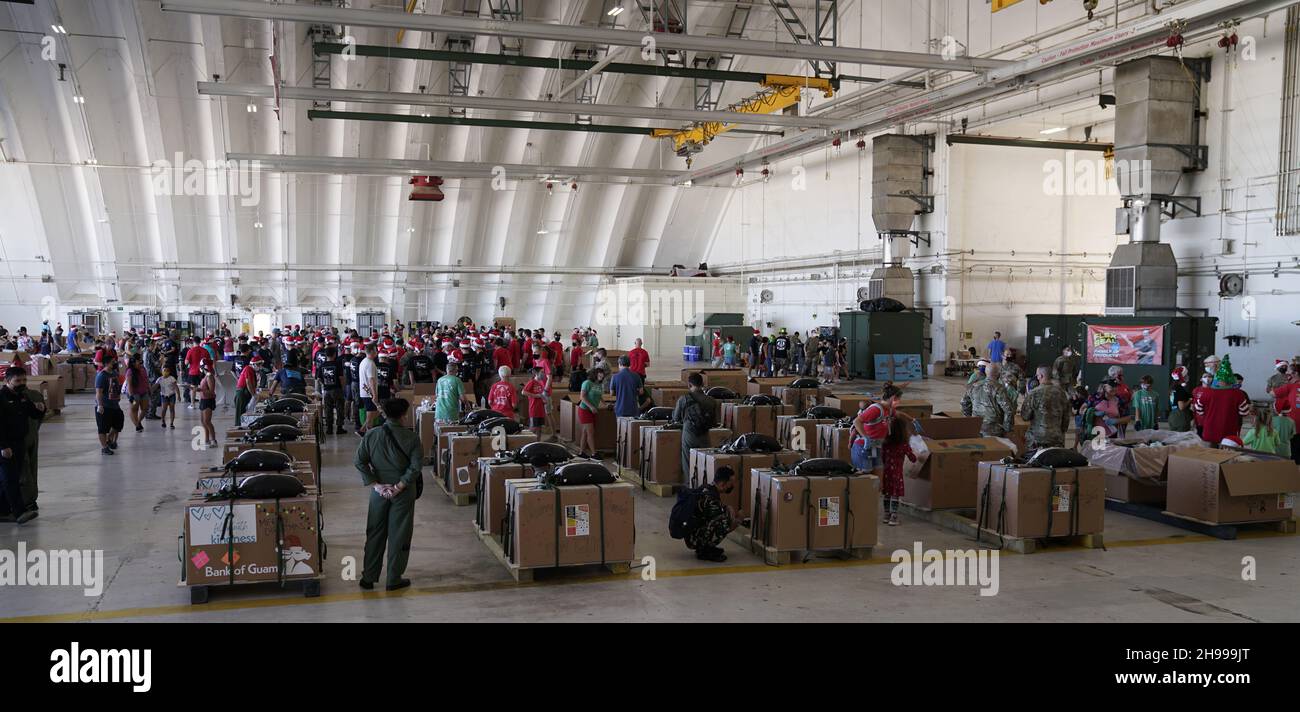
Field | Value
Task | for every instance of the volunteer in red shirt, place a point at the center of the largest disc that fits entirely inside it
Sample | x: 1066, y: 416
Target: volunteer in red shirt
x: 501, y: 357
x: 246, y: 387
x: 1222, y: 407
x: 556, y: 348
x: 575, y: 355
x: 502, y: 397
x: 639, y: 358
x: 1288, y: 403
x: 871, y: 427
x: 538, y: 394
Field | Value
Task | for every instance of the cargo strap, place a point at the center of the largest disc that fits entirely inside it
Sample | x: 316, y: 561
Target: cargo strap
x: 559, y: 522
x: 645, y: 457
x: 1074, y: 503
x: 984, y: 507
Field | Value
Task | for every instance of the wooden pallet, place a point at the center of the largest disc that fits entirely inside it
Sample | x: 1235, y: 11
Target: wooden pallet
x: 1218, y: 531
x: 527, y: 575
x: 774, y: 557
x: 963, y: 521
x: 199, y: 593
x: 463, y: 499
x: 629, y: 474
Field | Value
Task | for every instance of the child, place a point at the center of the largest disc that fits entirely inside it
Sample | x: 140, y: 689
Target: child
x: 891, y: 481
x: 537, y: 394
x: 1271, y: 434
x: 1144, y: 406
x: 167, y: 394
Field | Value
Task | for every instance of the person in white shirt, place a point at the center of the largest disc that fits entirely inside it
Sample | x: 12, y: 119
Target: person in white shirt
x: 167, y: 396
x: 368, y: 387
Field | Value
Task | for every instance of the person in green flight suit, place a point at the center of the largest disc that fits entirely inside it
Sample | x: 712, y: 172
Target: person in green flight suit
x: 388, y: 459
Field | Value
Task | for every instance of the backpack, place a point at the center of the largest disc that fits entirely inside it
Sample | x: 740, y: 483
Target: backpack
x: 752, y: 442
x: 721, y: 393
x: 580, y: 473
x: 694, y: 418
x: 684, y: 517
x: 657, y: 413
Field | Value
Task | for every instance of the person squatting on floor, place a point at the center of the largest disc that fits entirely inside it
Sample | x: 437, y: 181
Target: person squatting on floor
x: 711, y: 520
x: 388, y: 459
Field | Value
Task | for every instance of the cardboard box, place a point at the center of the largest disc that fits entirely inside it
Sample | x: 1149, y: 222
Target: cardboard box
x: 916, y: 408
x: 306, y: 449
x: 572, y: 526
x: 1077, y: 505
x: 834, y: 442
x: 794, y: 513
x: 850, y: 403
x: 627, y: 445
x: 661, y: 452
x: 950, y: 474
x: 420, y: 390
x: 800, y: 399
x: 764, y: 386
x: 606, y: 425
x: 441, y: 432
x: 51, y: 388
x: 464, y: 451
x: 942, y: 427
x: 491, y: 512
x: 1127, y: 489
x: 787, y: 425
x: 1229, y: 486
x: 1019, y: 429
x: 258, y: 554
x: 667, y: 396
x: 424, y: 427
x: 212, y: 482
x: 733, y: 378
x: 752, y: 418
x: 706, y: 461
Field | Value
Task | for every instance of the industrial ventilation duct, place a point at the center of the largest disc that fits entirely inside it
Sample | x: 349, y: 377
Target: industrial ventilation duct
x: 899, y: 170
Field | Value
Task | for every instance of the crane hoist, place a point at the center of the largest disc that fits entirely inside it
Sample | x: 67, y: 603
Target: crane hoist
x: 779, y: 92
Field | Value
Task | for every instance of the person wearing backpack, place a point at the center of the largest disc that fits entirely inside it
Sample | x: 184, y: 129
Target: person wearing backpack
x: 701, y: 519
x: 388, y: 459
x: 697, y: 413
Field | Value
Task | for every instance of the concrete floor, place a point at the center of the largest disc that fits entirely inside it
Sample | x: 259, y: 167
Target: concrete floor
x: 127, y: 505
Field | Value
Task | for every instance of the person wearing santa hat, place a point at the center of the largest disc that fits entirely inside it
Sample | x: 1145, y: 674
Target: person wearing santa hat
x: 246, y: 388
x: 1222, y: 406
x: 1279, y: 378
x: 450, y: 394
x: 1180, y: 401
x: 1286, y: 400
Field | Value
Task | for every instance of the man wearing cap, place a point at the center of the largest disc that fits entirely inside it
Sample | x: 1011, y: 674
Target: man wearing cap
x: 386, y: 373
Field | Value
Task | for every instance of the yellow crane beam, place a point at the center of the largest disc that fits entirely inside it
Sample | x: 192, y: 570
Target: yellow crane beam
x: 780, y: 91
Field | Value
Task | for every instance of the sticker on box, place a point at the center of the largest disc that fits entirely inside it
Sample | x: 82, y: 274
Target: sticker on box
x: 577, y: 520
x: 1286, y: 500
x: 828, y: 512
x: 212, y: 525
x: 1061, y: 498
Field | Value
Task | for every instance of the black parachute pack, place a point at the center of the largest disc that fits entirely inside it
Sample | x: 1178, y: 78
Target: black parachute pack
x: 259, y: 461
x: 671, y: 426
x: 656, y: 414
x: 721, y: 393
x: 684, y: 517
x: 474, y: 417
x: 761, y: 399
x: 586, y: 472
x: 823, y: 466
x: 542, y: 454
x: 274, y: 434
x: 1056, y: 458
x: 805, y: 383
x: 273, y: 419
x: 510, y: 425
x: 286, y: 405
x: 882, y: 304
x: 824, y: 412
x: 845, y: 422
x: 752, y: 442
x: 266, y: 485
x: 298, y: 397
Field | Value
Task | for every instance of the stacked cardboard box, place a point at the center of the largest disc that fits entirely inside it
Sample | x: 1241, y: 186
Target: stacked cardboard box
x: 442, y: 432
x: 1073, y: 498
x: 850, y: 403
x: 753, y: 418
x: 212, y: 482
x: 796, y: 513
x: 252, y: 530
x: 941, y: 426
x: 834, y: 442
x: 788, y: 425
x: 705, y: 463
x: 570, y: 526
x: 627, y: 446
x: 606, y: 428
x: 459, y: 469
x: 764, y: 386
x: 666, y: 396
x: 1231, y: 486
x: 800, y: 399
x: 51, y: 388
x: 948, y: 478
x: 493, y: 476
x: 661, y: 452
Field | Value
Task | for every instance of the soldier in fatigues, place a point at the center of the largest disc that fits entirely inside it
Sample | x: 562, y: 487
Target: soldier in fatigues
x: 1066, y: 368
x: 989, y: 401
x: 976, y: 378
x: 714, y: 520
x: 388, y: 459
x: 1047, y: 408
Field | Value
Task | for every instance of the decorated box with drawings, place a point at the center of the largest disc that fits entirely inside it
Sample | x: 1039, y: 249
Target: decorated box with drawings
x: 571, y: 525
x: 792, y: 512
x: 251, y: 540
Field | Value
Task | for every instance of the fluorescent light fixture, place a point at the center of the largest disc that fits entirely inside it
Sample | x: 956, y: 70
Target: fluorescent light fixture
x: 1055, y: 130
x: 78, y: 99
x: 252, y: 108
x: 58, y: 29
x: 687, y: 183
x: 257, y: 225
x: 543, y: 231
x: 615, y: 11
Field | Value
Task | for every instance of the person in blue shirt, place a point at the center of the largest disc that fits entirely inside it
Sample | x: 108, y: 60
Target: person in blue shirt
x: 72, y: 340
x: 626, y: 386
x: 997, y: 347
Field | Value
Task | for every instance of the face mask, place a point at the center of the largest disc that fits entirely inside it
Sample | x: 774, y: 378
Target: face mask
x: 19, y: 389
x: 1146, y: 386
x: 1205, y: 381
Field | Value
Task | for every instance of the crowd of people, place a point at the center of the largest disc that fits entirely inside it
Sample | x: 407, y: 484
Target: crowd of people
x: 783, y: 353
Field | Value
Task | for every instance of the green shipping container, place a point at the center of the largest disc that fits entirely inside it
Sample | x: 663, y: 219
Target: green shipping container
x: 872, y: 333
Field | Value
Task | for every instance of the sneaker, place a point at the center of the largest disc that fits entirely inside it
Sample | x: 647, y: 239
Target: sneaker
x: 401, y: 584
x: 172, y: 426
x: 893, y: 519
x: 163, y: 426
x: 106, y: 450
x: 113, y: 445
x: 139, y: 428
x: 189, y: 406
x: 367, y: 585
x: 25, y: 517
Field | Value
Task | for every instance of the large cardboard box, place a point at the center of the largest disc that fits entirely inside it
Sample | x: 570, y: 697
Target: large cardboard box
x: 606, y: 427
x: 850, y: 403
x: 794, y: 513
x: 764, y: 386
x: 1077, y: 504
x: 460, y: 460
x: 800, y: 399
x: 834, y: 442
x: 733, y: 378
x: 423, y: 390
x: 258, y: 554
x: 51, y: 388
x: 661, y: 452
x: 1019, y: 429
x: 752, y: 418
x: 441, y: 433
x: 572, y: 526
x: 212, y: 482
x: 305, y: 449
x: 1229, y: 486
x: 948, y: 478
x: 915, y: 408
x: 424, y: 426
x: 1126, y: 489
x: 942, y: 427
x: 627, y: 446
x: 706, y: 461
x: 83, y: 376
x: 667, y: 396
x: 490, y: 515
x: 787, y: 425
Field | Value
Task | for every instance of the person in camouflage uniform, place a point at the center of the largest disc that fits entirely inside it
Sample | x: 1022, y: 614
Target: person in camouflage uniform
x: 976, y: 378
x: 1048, y: 410
x: 1066, y: 368
x: 1011, y: 373
x: 989, y: 401
x: 714, y: 519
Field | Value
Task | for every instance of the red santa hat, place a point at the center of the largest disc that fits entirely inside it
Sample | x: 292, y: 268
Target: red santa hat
x: 1280, y: 364
x: 1179, y: 374
x: 455, y: 356
x: 1232, y: 441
